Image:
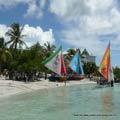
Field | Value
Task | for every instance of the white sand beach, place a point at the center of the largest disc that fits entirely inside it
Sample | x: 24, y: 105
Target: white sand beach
x: 10, y: 87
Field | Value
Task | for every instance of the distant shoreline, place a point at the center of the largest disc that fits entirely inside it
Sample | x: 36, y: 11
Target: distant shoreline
x: 10, y: 87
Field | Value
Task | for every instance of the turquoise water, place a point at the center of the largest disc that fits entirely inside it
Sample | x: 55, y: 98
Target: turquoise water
x: 81, y: 102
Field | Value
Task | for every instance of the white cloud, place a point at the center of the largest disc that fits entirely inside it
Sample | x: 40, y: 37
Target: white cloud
x: 36, y: 34
x: 34, y: 9
x: 86, y: 20
x: 69, y: 9
x: 3, y: 30
x: 99, y: 5
x: 42, y: 3
x: 33, y: 34
x: 11, y: 3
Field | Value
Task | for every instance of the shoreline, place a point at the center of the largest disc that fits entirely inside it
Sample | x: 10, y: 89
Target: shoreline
x: 10, y: 87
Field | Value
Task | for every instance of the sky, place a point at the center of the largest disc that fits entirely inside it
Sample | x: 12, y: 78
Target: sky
x: 80, y: 24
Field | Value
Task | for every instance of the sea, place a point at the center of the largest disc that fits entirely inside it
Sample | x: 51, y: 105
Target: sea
x: 76, y: 102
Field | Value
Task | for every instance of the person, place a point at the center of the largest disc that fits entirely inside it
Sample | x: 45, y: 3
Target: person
x: 45, y: 75
x: 65, y: 80
x: 112, y: 83
x: 90, y: 76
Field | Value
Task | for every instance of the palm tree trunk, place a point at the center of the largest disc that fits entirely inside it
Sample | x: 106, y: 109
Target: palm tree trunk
x: 0, y: 66
x: 15, y: 49
x: 45, y: 75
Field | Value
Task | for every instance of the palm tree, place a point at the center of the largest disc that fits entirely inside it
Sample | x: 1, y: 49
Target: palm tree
x: 70, y: 53
x: 4, y: 52
x: 48, y: 49
x: 16, y: 37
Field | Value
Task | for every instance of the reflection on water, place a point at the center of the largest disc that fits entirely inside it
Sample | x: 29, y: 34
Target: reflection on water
x: 107, y: 96
x: 63, y: 103
x: 107, y: 99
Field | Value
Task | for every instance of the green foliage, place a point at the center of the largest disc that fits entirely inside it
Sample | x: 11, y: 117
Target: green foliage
x: 48, y: 49
x: 90, y: 68
x: 70, y: 53
x: 29, y: 60
x: 116, y: 72
x: 5, y: 54
x: 16, y: 37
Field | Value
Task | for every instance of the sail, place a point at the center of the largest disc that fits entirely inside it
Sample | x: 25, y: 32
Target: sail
x: 110, y: 74
x: 105, y: 66
x: 63, y: 68
x: 81, y: 67
x: 76, y: 64
x: 54, y: 61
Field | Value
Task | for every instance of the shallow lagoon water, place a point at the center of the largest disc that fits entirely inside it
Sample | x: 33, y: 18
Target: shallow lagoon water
x: 78, y: 102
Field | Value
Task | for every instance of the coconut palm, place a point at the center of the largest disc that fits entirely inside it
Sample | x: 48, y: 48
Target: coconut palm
x: 48, y: 49
x: 4, y: 52
x: 16, y: 37
x: 70, y: 53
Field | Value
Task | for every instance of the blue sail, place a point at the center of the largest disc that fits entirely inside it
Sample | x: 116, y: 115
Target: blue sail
x: 76, y: 64
x: 81, y: 68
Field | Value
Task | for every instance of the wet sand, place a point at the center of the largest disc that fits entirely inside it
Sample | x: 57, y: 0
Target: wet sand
x: 10, y: 87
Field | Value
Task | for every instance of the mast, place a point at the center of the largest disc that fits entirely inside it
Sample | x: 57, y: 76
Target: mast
x: 78, y: 61
x: 110, y: 71
x: 109, y: 65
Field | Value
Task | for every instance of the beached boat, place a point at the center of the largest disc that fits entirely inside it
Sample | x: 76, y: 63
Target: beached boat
x: 76, y: 66
x: 56, y: 64
x: 105, y: 69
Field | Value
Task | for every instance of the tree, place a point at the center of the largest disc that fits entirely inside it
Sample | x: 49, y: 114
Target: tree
x: 48, y: 49
x: 90, y: 68
x: 16, y: 37
x: 70, y: 53
x: 4, y: 53
x: 29, y: 60
x: 116, y: 72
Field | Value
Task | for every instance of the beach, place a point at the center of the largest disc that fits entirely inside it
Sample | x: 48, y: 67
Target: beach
x: 10, y: 87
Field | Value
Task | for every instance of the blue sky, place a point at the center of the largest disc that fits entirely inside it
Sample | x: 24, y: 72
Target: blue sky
x: 80, y: 24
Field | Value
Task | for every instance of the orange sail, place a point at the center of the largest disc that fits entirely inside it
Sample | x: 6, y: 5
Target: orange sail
x: 63, y: 68
x: 105, y: 63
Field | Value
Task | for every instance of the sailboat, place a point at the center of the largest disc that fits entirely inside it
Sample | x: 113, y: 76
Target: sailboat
x: 56, y: 64
x: 76, y: 66
x: 105, y: 68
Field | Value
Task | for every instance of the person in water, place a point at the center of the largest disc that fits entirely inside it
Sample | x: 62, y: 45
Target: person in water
x: 112, y: 83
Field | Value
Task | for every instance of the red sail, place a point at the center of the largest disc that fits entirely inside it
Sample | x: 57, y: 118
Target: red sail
x: 63, y: 68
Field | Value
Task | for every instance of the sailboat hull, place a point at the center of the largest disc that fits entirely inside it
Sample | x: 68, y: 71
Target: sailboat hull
x: 76, y: 77
x: 105, y: 83
x: 57, y: 78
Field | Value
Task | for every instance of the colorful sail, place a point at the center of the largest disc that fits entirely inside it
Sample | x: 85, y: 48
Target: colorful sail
x: 54, y: 61
x: 76, y: 64
x: 105, y: 66
x: 63, y: 68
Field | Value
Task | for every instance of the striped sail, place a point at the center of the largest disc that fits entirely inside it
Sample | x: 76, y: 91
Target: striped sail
x: 105, y: 66
x: 56, y: 62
